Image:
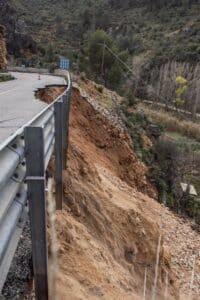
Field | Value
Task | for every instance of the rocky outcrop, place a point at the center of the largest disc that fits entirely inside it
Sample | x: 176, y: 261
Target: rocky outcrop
x: 16, y: 37
x: 3, y: 53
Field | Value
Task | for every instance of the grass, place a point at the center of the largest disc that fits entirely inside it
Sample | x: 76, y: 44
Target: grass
x: 173, y: 124
x: 181, y: 139
x: 6, y: 77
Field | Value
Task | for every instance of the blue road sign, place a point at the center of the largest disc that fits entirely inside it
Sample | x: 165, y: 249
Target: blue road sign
x: 64, y: 64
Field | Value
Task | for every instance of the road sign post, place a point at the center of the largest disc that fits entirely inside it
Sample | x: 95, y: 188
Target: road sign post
x: 64, y: 64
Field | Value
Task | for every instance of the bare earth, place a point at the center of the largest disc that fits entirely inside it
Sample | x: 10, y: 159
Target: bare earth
x: 110, y: 226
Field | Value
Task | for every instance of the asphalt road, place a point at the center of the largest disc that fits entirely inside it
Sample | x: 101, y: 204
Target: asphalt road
x: 18, y: 104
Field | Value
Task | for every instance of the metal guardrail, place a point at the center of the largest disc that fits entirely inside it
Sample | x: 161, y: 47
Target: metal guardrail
x: 24, y: 158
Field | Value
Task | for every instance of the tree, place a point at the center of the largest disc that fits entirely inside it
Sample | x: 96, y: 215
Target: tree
x: 102, y: 53
x: 50, y: 53
x: 196, y: 100
x: 182, y: 86
x: 96, y: 49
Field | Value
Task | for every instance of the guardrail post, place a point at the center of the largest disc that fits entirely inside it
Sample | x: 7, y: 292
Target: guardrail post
x: 68, y: 112
x: 34, y: 149
x: 65, y: 131
x: 58, y: 106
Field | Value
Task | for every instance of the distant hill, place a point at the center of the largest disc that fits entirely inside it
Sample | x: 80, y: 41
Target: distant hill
x: 162, y: 37
x: 163, y: 30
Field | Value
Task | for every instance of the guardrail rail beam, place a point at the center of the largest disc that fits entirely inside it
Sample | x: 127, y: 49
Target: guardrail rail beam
x: 58, y: 107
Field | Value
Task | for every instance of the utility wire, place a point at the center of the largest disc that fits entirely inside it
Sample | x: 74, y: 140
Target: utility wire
x: 118, y: 58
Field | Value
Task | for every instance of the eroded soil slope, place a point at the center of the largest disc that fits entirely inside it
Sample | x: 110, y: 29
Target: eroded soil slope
x: 109, y: 228
x: 108, y: 231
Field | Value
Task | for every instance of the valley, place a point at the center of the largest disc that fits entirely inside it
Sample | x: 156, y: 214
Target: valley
x: 130, y: 223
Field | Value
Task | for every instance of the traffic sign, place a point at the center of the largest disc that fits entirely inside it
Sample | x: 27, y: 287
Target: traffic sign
x: 64, y: 64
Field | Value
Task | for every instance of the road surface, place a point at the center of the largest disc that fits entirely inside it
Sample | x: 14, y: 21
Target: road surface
x: 18, y: 104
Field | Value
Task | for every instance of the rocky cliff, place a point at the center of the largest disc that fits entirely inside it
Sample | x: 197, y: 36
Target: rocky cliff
x: 17, y: 39
x: 3, y: 52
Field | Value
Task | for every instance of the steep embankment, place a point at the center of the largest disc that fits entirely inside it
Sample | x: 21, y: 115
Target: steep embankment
x: 3, y: 52
x: 109, y: 228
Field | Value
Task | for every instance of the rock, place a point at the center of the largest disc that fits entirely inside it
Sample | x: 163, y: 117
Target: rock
x: 3, y: 52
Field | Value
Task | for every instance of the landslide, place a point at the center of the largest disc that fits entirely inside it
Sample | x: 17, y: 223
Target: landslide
x: 109, y: 229
x: 107, y: 234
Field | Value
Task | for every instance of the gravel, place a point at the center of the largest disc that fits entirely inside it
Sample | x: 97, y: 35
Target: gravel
x: 20, y: 274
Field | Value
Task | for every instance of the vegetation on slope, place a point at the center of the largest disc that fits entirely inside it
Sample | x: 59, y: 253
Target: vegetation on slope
x: 172, y: 158
x: 163, y: 29
x: 19, y: 42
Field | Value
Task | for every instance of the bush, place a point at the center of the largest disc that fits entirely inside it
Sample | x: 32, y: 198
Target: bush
x: 131, y: 100
x: 52, y: 67
x: 6, y: 77
x: 99, y: 88
x: 103, y: 64
x: 83, y: 76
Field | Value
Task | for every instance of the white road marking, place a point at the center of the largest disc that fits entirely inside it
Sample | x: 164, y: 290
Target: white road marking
x: 7, y: 92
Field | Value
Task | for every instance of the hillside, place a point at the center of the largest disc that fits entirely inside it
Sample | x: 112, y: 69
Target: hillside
x: 163, y: 32
x: 19, y: 42
x: 125, y: 214
x: 109, y: 229
x: 161, y: 37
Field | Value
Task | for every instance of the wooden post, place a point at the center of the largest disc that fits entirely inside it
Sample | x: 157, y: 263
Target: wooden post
x: 59, y: 153
x: 34, y: 149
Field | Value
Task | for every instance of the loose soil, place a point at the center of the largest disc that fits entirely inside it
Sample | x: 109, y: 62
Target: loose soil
x: 109, y: 229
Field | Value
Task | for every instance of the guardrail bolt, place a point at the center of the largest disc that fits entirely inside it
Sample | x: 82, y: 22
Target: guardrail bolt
x: 14, y: 146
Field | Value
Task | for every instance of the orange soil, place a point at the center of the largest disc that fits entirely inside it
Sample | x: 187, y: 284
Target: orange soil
x: 109, y: 229
x: 50, y: 93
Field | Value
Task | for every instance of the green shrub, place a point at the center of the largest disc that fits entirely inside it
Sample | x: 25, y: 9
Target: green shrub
x: 99, y: 88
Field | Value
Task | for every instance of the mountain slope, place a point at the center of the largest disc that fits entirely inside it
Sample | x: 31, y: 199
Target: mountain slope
x: 17, y: 39
x: 164, y: 31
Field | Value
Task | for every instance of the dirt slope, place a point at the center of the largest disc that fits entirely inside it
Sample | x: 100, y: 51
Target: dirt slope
x: 106, y: 238
x: 109, y: 228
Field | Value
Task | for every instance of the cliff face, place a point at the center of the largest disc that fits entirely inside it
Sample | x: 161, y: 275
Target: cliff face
x: 17, y: 39
x: 3, y: 52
